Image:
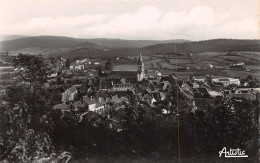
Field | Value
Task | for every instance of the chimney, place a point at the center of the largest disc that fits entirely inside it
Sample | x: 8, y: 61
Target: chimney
x: 99, y: 99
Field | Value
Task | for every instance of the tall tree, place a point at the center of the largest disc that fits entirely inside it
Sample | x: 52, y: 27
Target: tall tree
x: 33, y: 69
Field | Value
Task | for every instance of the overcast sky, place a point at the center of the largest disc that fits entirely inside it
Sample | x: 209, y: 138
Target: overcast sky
x: 132, y: 19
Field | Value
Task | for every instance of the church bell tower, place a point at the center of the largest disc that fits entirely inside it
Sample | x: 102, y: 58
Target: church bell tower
x: 140, y: 68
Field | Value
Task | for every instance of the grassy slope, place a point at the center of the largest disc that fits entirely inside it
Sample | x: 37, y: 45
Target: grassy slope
x: 217, y: 45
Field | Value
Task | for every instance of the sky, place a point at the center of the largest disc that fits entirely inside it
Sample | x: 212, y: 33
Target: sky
x: 132, y: 19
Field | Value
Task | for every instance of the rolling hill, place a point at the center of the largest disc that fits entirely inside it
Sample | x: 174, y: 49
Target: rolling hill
x: 120, y: 43
x: 11, y: 37
x: 71, y: 47
x: 16, y: 42
x: 43, y: 42
x: 216, y: 45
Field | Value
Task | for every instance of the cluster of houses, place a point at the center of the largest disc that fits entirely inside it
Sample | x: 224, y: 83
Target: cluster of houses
x: 112, y: 93
x: 83, y: 64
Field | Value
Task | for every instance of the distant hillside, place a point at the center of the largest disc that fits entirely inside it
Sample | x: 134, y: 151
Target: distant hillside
x: 101, y: 53
x: 216, y: 45
x: 59, y: 45
x: 120, y: 43
x: 51, y: 42
x: 11, y: 37
x: 16, y: 42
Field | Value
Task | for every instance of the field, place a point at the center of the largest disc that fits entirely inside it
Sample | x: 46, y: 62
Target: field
x: 168, y: 64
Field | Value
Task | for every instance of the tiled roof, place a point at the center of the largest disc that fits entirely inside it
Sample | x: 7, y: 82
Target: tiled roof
x: 72, y: 89
x: 146, y: 96
x: 105, y: 85
x: 115, y: 99
x: 88, y: 101
x: 102, y: 94
x: 162, y: 95
x: 199, y: 77
x: 125, y: 68
x: 78, y: 104
x: 223, y: 79
x: 123, y: 86
x: 61, y: 106
x: 99, y: 102
x: 201, y: 90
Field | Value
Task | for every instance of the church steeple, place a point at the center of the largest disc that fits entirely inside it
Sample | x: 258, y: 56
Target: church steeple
x: 140, y: 63
x: 140, y: 60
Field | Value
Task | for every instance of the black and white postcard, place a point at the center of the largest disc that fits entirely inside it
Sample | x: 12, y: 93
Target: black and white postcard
x: 129, y: 81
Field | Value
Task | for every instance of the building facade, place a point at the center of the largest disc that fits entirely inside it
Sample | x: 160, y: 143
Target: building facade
x: 132, y: 72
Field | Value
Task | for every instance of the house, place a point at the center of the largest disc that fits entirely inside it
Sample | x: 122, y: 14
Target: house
x: 76, y: 66
x: 123, y: 87
x: 214, y: 93
x: 199, y: 78
x: 244, y: 94
x: 215, y: 86
x: 148, y: 98
x: 201, y: 93
x: 163, y: 96
x: 227, y: 81
x: 163, y: 86
x: 89, y: 103
x: 184, y: 86
x: 70, y: 94
x: 224, y: 81
x: 153, y: 74
x: 62, y: 107
x: 95, y: 105
x: 238, y: 66
x: 105, y: 85
x: 115, y: 100
x: 78, y: 105
x: 234, y: 81
x: 100, y: 106
x: 206, y: 85
x: 255, y: 90
x: 193, y: 84
x: 85, y: 60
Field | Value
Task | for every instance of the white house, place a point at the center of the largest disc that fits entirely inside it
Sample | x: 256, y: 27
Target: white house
x: 224, y: 81
x: 69, y: 95
x: 199, y: 78
x: 76, y: 66
x: 95, y: 105
x: 227, y: 81
x: 91, y: 104
x: 234, y: 81
x: 82, y: 61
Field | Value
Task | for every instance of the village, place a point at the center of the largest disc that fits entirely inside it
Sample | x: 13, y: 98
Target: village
x: 107, y: 89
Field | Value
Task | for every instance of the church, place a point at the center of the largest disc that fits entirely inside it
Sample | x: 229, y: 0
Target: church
x: 131, y: 72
